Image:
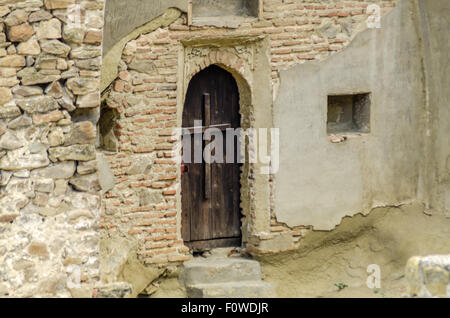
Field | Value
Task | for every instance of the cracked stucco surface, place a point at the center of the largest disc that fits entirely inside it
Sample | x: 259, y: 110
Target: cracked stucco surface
x: 331, y: 181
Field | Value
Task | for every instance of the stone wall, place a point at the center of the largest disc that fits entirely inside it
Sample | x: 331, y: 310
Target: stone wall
x: 57, y: 198
x: 49, y: 106
x: 428, y: 276
x: 147, y: 100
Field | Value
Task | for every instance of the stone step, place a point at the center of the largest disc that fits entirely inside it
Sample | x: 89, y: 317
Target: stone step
x: 220, y: 270
x: 245, y: 289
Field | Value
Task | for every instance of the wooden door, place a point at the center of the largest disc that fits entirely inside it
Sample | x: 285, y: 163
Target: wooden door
x: 211, y: 192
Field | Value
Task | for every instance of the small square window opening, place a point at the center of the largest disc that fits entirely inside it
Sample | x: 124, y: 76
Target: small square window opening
x: 348, y: 114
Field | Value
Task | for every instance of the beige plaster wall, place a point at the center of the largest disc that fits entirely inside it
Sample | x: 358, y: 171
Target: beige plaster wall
x: 381, y: 168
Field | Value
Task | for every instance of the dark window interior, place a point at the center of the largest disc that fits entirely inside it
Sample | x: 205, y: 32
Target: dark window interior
x: 348, y: 114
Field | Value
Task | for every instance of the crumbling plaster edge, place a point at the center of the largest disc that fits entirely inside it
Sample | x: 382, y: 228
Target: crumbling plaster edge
x: 256, y: 252
x: 111, y: 59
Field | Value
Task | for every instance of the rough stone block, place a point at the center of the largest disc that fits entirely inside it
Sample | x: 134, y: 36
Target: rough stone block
x: 148, y: 197
x: 220, y: 270
x: 55, y: 47
x: 16, y: 61
x: 73, y: 34
x: 54, y: 116
x: 30, y: 47
x: 86, y: 52
x: 63, y: 170
x: 5, y: 95
x: 27, y: 91
x: 81, y: 133
x: 428, y: 276
x: 44, y: 185
x: 106, y: 175
x: 115, y: 290
x: 82, y: 85
x: 142, y: 66
x: 7, y: 72
x: 20, y: 122
x: 58, y: 4
x: 89, y: 101
x: 16, y: 17
x: 20, y: 33
x: 35, y: 78
x: 87, y: 167
x: 9, y: 141
x: 41, y: 104
x: 10, y: 111
x: 250, y: 289
x: 74, y: 152
x: 4, y: 10
x: 50, y: 29
x: 32, y: 161
x: 93, y: 37
x: 40, y: 15
x: 38, y: 249
x: 87, y: 183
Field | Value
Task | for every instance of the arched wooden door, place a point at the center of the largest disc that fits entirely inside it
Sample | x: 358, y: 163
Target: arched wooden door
x: 211, y: 192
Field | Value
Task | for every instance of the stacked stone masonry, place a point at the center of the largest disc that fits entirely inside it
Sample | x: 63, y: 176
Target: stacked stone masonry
x: 49, y: 107
x: 78, y: 170
x: 145, y: 99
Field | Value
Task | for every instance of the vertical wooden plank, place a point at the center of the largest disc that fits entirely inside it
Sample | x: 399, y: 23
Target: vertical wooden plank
x: 214, y: 218
x: 236, y: 167
x: 200, y: 215
x: 207, y: 109
x: 185, y: 204
x: 207, y: 165
x: 193, y: 214
x: 207, y: 181
x: 225, y: 182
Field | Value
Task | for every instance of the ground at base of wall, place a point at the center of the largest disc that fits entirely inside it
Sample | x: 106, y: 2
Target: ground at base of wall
x: 167, y: 288
x: 335, y: 264
x: 171, y: 288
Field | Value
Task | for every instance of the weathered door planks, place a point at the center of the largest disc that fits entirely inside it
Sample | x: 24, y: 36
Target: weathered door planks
x: 211, y: 192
